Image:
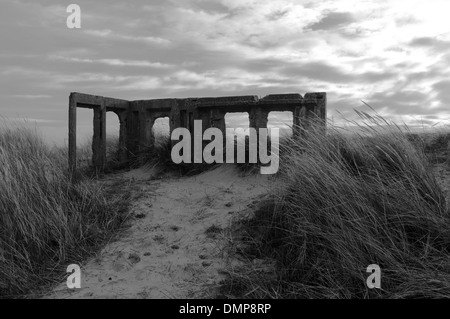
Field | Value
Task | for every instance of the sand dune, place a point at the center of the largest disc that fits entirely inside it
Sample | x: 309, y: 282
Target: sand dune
x: 173, y: 248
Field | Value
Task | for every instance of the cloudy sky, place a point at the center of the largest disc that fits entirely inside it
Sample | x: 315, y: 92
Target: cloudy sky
x: 394, y: 55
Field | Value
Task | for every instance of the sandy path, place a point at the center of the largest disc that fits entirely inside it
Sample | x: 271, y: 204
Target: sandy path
x: 168, y: 251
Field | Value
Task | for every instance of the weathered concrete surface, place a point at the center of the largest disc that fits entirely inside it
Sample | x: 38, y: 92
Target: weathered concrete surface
x: 137, y: 117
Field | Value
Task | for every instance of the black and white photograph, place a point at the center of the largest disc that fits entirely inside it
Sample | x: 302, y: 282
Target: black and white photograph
x: 225, y: 154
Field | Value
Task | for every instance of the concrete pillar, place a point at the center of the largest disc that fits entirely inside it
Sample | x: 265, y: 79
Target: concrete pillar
x: 258, y: 117
x: 133, y: 133
x: 145, y: 131
x: 150, y: 134
x: 217, y: 118
x: 299, y: 120
x: 123, y: 132
x: 99, y: 139
x: 72, y: 134
x: 320, y: 107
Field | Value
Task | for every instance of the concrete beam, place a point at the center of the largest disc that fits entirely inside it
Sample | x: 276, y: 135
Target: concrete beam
x: 90, y: 101
x: 156, y: 105
x: 115, y: 104
x: 86, y: 100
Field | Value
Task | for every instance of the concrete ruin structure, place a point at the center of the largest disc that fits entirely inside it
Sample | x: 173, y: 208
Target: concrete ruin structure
x: 137, y: 117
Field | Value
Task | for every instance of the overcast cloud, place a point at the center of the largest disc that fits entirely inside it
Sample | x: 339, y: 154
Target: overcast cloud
x: 394, y: 55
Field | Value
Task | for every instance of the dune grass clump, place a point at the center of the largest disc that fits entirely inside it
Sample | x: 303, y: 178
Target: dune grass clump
x: 47, y: 221
x: 348, y: 201
x: 160, y: 154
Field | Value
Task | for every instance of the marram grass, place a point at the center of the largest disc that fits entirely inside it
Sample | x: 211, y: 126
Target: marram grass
x: 347, y: 201
x: 46, y: 221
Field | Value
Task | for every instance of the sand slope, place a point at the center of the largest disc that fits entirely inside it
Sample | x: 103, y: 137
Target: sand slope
x: 173, y: 248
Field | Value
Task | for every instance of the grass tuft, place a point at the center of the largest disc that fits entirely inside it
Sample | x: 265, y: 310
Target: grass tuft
x: 46, y: 221
x: 347, y: 201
